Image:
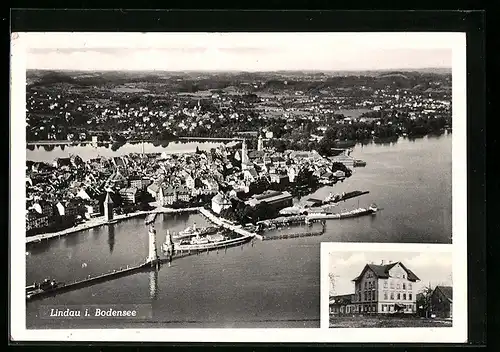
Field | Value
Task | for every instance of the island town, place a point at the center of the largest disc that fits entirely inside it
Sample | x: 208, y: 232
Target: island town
x: 240, y: 185
x: 243, y: 192
x: 281, y: 141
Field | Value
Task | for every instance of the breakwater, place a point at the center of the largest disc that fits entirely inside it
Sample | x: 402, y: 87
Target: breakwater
x: 90, y: 280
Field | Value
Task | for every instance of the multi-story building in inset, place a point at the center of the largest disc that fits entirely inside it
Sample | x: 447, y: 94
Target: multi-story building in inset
x: 388, y: 288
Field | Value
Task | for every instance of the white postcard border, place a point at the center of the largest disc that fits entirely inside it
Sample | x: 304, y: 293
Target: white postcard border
x: 18, y: 331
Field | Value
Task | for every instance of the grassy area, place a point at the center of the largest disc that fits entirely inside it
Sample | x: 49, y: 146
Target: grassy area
x: 385, y: 322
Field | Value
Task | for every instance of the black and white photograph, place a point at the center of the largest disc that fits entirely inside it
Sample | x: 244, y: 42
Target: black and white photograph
x: 188, y: 180
x: 390, y: 289
x: 381, y: 292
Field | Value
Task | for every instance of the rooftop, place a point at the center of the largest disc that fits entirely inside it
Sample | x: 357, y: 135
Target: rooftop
x: 382, y: 271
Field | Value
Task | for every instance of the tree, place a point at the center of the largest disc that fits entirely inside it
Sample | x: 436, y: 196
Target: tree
x: 424, y: 300
x: 332, y: 277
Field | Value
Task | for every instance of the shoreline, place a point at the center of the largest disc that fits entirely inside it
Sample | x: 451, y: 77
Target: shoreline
x: 101, y: 221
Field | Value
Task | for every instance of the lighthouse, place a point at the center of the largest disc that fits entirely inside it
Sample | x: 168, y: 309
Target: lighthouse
x: 169, y: 244
x: 153, y: 253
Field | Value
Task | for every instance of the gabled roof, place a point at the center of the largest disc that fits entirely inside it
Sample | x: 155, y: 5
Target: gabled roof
x: 341, y: 299
x: 447, y: 291
x: 382, y: 271
x: 63, y: 161
x: 108, y: 199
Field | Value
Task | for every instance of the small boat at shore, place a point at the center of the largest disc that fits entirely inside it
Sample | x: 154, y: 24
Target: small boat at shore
x: 45, y: 286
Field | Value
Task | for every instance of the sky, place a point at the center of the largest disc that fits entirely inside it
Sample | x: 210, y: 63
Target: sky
x: 434, y: 268
x: 237, y: 51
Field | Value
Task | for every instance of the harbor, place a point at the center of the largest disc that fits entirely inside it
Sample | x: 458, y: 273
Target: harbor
x: 102, y: 221
x: 291, y: 259
x: 193, y: 240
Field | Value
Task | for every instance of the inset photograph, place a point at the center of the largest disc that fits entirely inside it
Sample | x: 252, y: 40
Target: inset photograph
x: 389, y: 288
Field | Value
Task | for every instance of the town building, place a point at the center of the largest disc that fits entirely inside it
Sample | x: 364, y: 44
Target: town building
x: 344, y: 158
x: 139, y: 182
x: 166, y: 196
x: 441, y: 302
x: 62, y: 162
x: 276, y: 199
x: 183, y: 194
x: 35, y: 220
x: 129, y: 195
x: 385, y: 288
x: 153, y: 189
x: 220, y: 202
x: 342, y: 304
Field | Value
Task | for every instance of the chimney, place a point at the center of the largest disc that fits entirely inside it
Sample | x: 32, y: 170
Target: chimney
x: 382, y: 263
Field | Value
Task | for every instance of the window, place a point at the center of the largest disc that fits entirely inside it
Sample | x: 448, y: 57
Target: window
x: 398, y: 286
x: 392, y: 295
x: 399, y: 295
x: 404, y: 296
x: 404, y: 286
x: 364, y: 296
x: 391, y: 308
x: 385, y: 283
x: 410, y: 296
x: 385, y: 295
x: 366, y: 284
x: 409, y: 286
x: 404, y: 276
x: 392, y: 284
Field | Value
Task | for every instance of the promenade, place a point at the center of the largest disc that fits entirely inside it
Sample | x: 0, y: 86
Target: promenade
x: 235, y: 228
x: 100, y: 221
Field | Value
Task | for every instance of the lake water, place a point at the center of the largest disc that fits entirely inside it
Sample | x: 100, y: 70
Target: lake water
x: 50, y: 153
x: 260, y: 284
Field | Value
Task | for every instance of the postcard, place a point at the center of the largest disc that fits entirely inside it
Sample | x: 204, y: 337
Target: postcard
x: 180, y: 186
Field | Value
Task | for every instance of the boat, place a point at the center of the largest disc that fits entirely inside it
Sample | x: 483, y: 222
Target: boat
x: 204, y: 243
x: 110, y: 222
x: 372, y: 209
x: 358, y: 163
x: 192, y: 231
x: 45, y: 286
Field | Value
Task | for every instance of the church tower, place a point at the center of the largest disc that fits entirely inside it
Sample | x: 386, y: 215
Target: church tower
x: 260, y: 144
x: 244, y: 153
x: 108, y: 207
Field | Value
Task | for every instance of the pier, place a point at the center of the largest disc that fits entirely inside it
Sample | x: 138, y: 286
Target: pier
x: 295, y: 235
x: 237, y: 229
x: 88, y: 281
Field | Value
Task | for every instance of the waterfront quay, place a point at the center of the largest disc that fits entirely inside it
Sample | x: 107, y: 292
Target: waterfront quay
x: 101, y: 221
